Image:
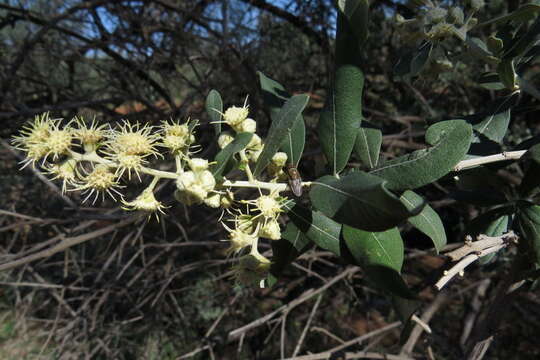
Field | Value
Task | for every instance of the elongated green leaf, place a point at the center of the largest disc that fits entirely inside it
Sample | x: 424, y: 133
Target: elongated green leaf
x: 524, y: 13
x: 412, y: 63
x: 496, y: 228
x: 490, y: 81
x: 494, y: 123
x: 380, y: 254
x: 214, y: 108
x: 523, y: 43
x: 224, y: 156
x: 291, y: 245
x: 280, y: 128
x: 340, y: 120
x: 507, y: 73
x: 452, y: 140
x: 375, y: 248
x: 275, y: 95
x: 357, y: 14
x: 318, y: 228
x: 428, y: 221
x: 360, y: 200
x: 368, y: 145
x: 529, y: 226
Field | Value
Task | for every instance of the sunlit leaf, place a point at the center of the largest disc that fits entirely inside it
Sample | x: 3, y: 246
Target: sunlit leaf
x: 360, y: 200
x: 451, y: 141
x: 214, y: 108
x: 341, y: 118
x: 275, y: 95
x: 280, y: 129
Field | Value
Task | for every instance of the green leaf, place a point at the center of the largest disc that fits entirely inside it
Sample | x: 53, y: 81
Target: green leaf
x: 318, y: 228
x: 523, y: 14
x: 368, y: 145
x: 490, y: 81
x: 529, y: 226
x: 428, y: 221
x: 360, y: 200
x: 224, y: 156
x: 291, y: 245
x: 339, y: 121
x: 523, y: 43
x: 412, y: 63
x: 375, y: 248
x: 280, y: 128
x: 214, y: 108
x: 494, y: 123
x: 357, y: 14
x: 507, y: 73
x: 496, y: 228
x: 274, y: 96
x: 380, y: 254
x: 451, y: 141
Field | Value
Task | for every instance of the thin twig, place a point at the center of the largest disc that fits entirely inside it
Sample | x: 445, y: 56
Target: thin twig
x: 308, y: 323
x: 472, y: 251
x: 65, y: 244
x: 471, y: 163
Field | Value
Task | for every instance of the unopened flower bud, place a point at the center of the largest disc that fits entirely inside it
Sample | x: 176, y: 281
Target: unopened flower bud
x: 255, y: 143
x: 185, y: 180
x: 477, y: 4
x: 206, y: 180
x: 248, y: 125
x: 198, y: 164
x: 224, y: 139
x: 279, y: 159
x: 214, y: 200
x: 455, y: 15
x: 436, y: 15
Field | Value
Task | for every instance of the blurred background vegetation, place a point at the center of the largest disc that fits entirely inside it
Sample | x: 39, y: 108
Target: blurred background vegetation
x: 141, y: 289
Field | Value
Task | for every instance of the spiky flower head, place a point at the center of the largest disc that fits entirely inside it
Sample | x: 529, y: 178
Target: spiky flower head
x: 36, y: 131
x: 176, y: 137
x: 240, y: 239
x: 234, y: 115
x: 89, y: 134
x: 41, y: 138
x: 102, y: 179
x: 270, y: 230
x: 58, y: 142
x: 65, y: 170
x: 268, y: 205
x: 132, y: 139
x: 146, y: 201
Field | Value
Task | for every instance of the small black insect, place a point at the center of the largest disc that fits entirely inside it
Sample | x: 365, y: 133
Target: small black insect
x: 295, y: 181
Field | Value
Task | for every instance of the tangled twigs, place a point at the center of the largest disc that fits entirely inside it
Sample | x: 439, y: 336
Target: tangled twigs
x: 472, y: 251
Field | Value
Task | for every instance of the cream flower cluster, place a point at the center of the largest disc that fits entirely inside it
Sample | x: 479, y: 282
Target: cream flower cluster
x: 100, y: 159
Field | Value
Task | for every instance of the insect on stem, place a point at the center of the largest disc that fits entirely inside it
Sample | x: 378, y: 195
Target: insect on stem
x: 295, y: 181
